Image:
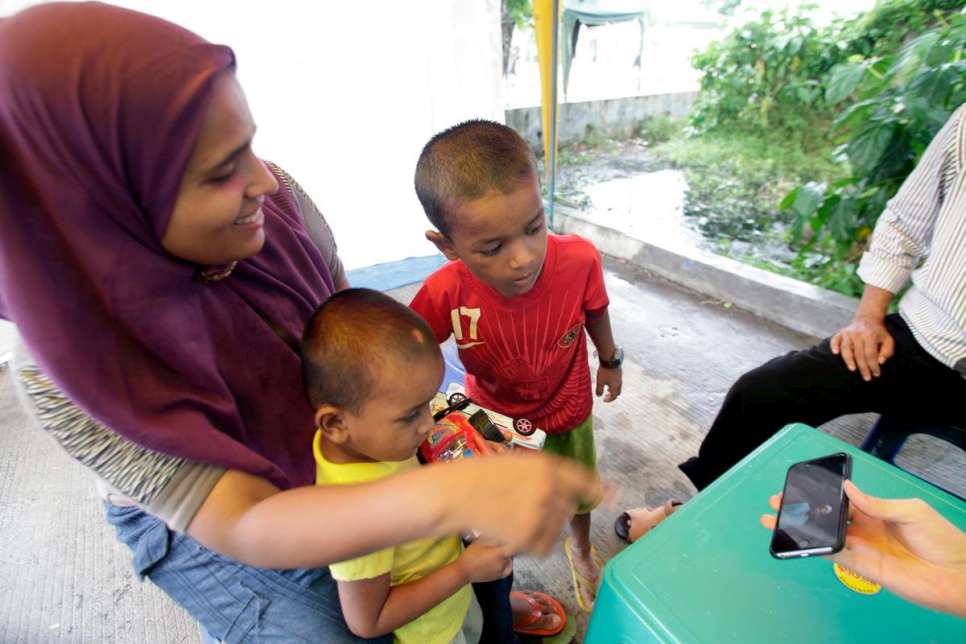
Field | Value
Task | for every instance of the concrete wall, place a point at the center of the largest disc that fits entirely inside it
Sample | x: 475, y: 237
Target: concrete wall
x: 796, y: 305
x: 612, y: 117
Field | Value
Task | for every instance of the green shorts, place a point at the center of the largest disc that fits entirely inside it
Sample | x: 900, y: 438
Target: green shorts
x: 576, y: 445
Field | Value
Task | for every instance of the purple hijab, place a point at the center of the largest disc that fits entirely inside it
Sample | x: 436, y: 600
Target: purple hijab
x: 99, y: 111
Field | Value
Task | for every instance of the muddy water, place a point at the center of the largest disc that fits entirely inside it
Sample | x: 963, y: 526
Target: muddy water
x: 623, y: 185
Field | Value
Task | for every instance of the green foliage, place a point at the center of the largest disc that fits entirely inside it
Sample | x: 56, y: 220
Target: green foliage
x: 728, y: 7
x: 520, y: 12
x: 735, y: 182
x: 766, y: 75
x: 893, y: 106
x: 784, y: 72
x: 658, y: 129
x: 888, y: 26
x: 875, y: 88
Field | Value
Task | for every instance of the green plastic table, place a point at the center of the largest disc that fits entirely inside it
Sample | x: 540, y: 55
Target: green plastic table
x: 705, y: 574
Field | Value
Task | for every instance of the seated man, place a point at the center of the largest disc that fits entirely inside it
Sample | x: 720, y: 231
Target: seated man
x: 908, y: 365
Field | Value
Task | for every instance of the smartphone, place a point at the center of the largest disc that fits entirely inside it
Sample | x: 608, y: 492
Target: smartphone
x: 814, y: 512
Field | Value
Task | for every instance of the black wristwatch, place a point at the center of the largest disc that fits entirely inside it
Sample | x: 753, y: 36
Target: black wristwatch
x: 615, y: 362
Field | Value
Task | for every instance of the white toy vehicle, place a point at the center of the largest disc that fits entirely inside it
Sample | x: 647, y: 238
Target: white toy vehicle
x: 515, y: 431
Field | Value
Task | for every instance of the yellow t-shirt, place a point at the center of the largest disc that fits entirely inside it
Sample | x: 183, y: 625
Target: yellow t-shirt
x: 408, y: 562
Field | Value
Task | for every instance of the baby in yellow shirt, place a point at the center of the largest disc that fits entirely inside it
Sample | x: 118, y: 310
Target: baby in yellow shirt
x: 370, y: 367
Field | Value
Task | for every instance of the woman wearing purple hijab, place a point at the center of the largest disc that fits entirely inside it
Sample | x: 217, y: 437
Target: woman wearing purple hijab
x: 159, y: 274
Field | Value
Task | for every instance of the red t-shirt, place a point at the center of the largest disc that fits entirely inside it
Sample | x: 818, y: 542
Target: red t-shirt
x: 525, y: 356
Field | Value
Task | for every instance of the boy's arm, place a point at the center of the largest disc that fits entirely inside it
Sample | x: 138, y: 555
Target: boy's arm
x: 598, y: 327
x: 431, y: 309
x: 372, y: 608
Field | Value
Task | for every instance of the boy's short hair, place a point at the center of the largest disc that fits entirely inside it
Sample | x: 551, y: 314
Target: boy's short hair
x: 353, y: 336
x: 467, y: 161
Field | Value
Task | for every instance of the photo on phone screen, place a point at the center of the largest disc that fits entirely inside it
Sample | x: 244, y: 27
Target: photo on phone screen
x: 814, y: 511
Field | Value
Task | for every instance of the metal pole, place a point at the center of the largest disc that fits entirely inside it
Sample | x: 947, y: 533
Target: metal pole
x: 551, y: 190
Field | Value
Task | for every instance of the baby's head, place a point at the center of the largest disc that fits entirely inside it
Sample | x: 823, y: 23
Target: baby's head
x: 370, y: 367
x: 477, y: 182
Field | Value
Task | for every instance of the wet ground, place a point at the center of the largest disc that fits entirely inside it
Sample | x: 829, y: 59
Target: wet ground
x: 64, y: 578
x: 625, y: 185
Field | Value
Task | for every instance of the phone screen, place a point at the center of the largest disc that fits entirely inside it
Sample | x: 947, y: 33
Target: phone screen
x: 814, y: 510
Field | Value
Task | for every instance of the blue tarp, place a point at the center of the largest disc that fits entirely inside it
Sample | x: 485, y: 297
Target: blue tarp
x: 385, y: 277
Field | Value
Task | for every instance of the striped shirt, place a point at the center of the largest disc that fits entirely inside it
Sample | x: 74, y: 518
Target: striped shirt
x: 922, y: 235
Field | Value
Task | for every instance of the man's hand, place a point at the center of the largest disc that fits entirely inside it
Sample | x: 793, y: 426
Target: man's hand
x: 865, y: 344
x: 611, y: 379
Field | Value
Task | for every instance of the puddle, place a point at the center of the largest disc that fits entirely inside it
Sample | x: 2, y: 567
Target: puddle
x: 626, y: 187
x: 646, y: 206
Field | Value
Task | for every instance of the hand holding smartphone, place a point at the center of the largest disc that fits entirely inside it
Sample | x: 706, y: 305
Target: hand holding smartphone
x: 814, y: 512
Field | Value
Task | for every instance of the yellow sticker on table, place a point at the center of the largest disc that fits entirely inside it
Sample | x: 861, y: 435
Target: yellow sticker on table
x: 854, y: 581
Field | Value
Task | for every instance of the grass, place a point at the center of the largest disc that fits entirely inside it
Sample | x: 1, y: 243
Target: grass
x: 582, y: 152
x: 660, y: 129
x: 736, y: 181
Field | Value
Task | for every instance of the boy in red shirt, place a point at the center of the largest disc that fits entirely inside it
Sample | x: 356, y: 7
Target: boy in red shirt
x: 517, y: 300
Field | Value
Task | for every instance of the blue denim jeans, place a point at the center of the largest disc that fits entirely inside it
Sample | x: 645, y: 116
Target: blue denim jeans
x: 234, y: 602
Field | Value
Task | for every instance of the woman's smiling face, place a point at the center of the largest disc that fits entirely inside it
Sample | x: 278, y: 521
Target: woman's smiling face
x: 217, y: 216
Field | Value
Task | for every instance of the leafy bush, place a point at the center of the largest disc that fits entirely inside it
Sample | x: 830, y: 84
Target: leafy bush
x: 894, y: 105
x: 877, y: 86
x: 659, y: 129
x: 888, y: 26
x: 767, y: 75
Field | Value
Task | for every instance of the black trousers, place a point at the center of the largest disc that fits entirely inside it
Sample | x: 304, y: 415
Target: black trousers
x: 814, y: 386
x: 494, y: 600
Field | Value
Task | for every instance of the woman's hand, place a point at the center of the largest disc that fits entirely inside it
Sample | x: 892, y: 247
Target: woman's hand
x: 906, y: 546
x: 519, y: 499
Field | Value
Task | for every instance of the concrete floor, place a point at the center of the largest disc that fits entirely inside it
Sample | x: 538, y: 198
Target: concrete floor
x: 63, y: 577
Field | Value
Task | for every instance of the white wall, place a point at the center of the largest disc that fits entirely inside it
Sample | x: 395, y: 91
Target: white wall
x: 346, y: 93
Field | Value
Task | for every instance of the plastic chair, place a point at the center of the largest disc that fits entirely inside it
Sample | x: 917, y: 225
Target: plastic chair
x: 889, y: 434
x: 455, y: 371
